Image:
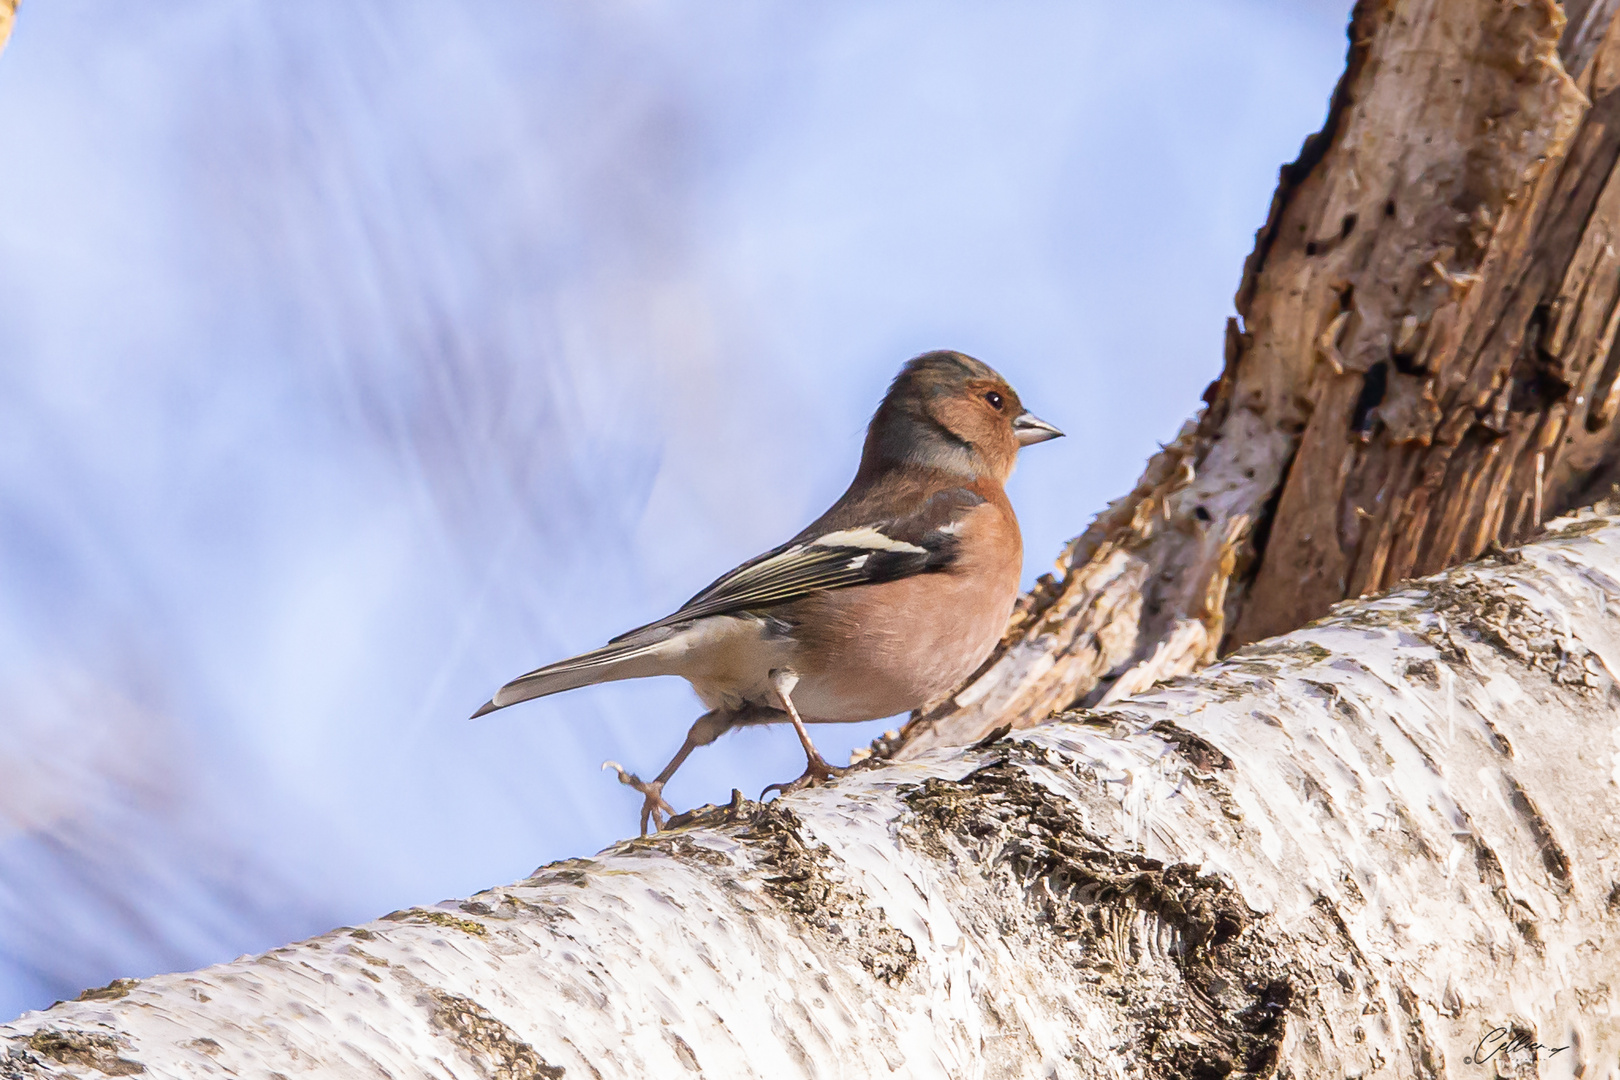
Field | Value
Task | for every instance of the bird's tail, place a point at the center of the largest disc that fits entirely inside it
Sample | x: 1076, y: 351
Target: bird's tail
x: 634, y: 658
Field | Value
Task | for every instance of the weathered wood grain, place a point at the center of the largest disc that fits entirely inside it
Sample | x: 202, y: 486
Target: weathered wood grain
x: 1423, y: 365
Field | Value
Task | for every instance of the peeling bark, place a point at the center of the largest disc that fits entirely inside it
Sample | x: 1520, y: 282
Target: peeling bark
x: 1380, y: 846
x: 1424, y: 365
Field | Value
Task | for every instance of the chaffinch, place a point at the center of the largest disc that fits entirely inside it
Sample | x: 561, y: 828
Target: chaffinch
x: 888, y: 600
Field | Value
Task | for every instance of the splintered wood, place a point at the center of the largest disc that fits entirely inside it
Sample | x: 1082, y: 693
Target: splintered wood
x: 1423, y: 365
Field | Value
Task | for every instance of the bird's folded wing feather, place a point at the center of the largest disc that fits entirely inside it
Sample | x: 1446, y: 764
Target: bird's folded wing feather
x: 922, y: 541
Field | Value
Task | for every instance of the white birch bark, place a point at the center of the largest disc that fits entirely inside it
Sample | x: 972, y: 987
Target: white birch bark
x: 1357, y: 850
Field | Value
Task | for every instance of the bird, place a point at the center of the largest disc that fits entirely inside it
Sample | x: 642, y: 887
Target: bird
x: 888, y: 600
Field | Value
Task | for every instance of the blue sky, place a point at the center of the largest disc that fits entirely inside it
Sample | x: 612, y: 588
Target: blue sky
x: 356, y: 357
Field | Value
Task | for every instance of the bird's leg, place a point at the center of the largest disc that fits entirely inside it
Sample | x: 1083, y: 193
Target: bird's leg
x: 707, y: 728
x: 816, y: 769
x: 653, y: 806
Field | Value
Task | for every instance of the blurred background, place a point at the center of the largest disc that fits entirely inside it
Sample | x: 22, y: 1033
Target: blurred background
x: 358, y: 356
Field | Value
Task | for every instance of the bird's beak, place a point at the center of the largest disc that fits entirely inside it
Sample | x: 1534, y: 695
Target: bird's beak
x: 1031, y: 429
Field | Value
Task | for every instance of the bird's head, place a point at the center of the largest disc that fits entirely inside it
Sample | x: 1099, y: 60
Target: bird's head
x: 946, y: 410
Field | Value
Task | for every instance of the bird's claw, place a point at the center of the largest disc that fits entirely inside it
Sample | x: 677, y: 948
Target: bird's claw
x: 816, y: 772
x: 653, y: 806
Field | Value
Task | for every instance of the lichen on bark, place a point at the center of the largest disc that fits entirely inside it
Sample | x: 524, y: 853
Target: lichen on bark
x: 803, y: 878
x: 487, y: 1041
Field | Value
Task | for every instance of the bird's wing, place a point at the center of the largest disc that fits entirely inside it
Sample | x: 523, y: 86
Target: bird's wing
x: 835, y: 553
x: 919, y: 542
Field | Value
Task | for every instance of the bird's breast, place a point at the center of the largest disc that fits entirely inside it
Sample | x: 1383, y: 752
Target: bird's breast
x: 877, y: 650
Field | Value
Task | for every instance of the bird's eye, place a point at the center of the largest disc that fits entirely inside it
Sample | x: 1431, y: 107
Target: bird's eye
x: 994, y: 399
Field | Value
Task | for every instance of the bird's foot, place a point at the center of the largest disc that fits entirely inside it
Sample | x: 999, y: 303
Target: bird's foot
x: 816, y: 773
x: 653, y: 806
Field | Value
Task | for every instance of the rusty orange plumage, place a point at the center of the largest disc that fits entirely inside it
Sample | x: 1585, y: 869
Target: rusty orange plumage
x: 888, y: 600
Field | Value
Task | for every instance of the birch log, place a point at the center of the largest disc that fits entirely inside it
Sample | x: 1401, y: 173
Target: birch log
x: 1384, y: 845
x: 1424, y: 363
